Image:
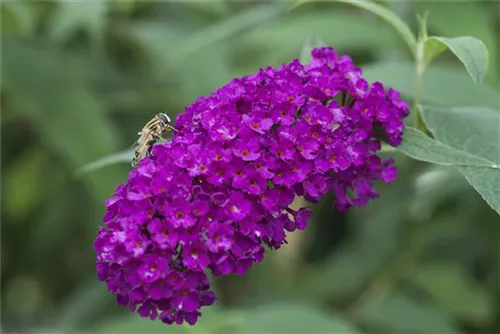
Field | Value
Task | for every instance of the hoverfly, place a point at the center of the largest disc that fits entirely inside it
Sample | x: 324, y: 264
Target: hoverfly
x: 149, y: 134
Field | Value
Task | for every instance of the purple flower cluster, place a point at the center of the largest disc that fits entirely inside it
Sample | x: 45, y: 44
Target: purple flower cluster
x: 210, y: 199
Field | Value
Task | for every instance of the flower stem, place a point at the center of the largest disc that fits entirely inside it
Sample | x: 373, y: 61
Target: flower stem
x: 419, y: 85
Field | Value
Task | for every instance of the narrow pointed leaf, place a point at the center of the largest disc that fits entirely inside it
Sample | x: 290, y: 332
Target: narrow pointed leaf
x: 383, y: 13
x: 120, y: 157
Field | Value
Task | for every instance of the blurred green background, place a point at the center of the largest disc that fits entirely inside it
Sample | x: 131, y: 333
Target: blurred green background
x: 80, y: 79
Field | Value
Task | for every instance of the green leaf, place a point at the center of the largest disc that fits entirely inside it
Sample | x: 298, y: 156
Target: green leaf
x: 305, y: 53
x: 51, y: 229
x: 50, y: 90
x: 454, y: 290
x: 120, y: 157
x: 217, y: 7
x: 298, y: 3
x: 485, y: 181
x: 386, y: 14
x: 340, y: 276
x: 209, y: 78
x: 383, y: 13
x: 400, y: 314
x: 471, y: 51
x: 441, y: 84
x: 232, y: 26
x: 18, y: 18
x: 310, y: 43
x: 211, y: 321
x: 377, y: 236
x: 88, y: 300
x: 22, y: 182
x: 432, y: 48
x: 421, y: 147
x: 476, y: 131
x: 473, y: 129
x: 475, y: 19
x: 293, y: 318
x: 433, y: 186
x: 71, y: 16
x: 438, y: 231
x: 282, y: 39
x: 126, y: 6
x: 132, y: 324
x: 156, y: 39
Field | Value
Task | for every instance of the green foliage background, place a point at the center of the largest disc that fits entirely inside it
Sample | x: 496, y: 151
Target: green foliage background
x: 78, y: 81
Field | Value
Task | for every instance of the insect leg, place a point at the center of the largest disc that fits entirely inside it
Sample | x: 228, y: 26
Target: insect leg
x: 134, y: 162
x: 171, y: 128
x: 155, y: 136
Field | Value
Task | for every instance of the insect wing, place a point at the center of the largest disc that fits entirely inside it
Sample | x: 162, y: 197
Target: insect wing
x: 145, y: 136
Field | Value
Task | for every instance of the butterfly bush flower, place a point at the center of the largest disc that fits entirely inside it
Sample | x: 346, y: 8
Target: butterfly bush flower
x: 211, y: 199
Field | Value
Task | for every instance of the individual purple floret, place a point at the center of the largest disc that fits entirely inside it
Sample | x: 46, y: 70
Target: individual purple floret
x: 211, y: 198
